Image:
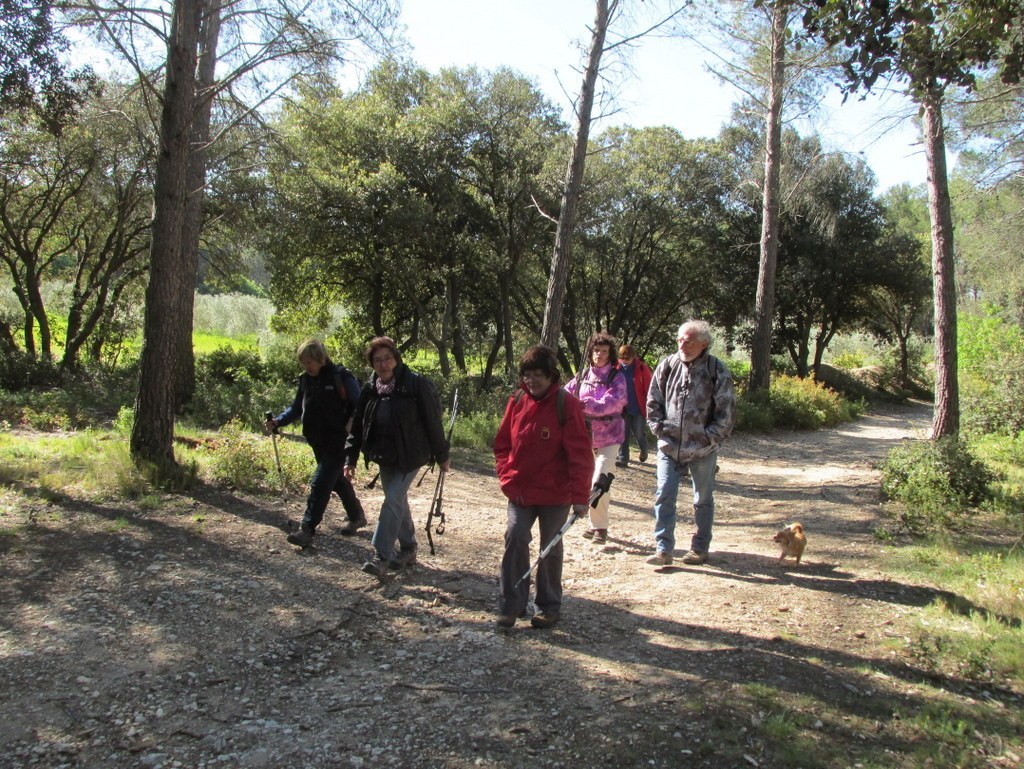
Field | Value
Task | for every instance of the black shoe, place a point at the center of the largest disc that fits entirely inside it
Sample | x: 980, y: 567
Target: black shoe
x: 506, y: 620
x: 353, y: 526
x: 620, y: 463
x: 376, y: 566
x: 303, y: 537
x: 643, y: 457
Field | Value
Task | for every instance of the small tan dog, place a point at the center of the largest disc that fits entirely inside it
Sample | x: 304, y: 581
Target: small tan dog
x: 792, y: 540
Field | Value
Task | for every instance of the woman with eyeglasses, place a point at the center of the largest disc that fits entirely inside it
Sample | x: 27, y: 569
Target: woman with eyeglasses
x: 397, y: 424
x: 544, y: 464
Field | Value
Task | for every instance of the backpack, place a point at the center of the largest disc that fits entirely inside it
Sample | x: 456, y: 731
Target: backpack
x: 345, y: 383
x: 712, y: 364
x: 559, y: 404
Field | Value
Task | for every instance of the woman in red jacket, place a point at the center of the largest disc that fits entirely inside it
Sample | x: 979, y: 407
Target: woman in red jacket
x: 544, y: 464
x: 638, y: 380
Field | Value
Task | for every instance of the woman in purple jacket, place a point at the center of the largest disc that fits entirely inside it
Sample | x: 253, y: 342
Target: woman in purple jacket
x: 601, y: 388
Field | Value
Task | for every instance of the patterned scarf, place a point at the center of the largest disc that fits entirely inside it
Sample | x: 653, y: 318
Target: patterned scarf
x: 385, y: 389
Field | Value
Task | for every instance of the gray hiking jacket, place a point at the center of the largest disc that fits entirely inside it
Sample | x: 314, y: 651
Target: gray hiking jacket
x: 691, y: 407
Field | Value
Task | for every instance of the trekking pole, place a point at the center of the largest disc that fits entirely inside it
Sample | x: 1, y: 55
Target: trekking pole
x: 436, y: 505
x: 601, y: 485
x: 436, y: 510
x: 277, y: 456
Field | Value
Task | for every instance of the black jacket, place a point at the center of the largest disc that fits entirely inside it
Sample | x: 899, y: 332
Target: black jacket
x: 402, y: 430
x: 323, y: 410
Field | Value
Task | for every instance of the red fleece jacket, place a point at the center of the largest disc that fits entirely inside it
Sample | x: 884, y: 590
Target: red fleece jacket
x: 538, y: 460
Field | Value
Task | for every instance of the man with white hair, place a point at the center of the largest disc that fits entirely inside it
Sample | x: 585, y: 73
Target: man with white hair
x: 691, y: 409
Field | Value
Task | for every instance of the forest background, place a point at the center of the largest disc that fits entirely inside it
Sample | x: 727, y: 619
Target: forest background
x: 425, y: 205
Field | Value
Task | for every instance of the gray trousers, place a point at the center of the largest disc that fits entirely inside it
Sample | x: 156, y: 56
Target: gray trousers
x: 516, y: 560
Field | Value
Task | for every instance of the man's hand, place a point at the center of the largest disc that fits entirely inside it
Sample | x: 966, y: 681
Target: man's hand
x: 349, y: 472
x: 580, y: 511
x: 271, y: 425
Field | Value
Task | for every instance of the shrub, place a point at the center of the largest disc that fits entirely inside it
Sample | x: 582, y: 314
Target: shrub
x: 849, y: 360
x: 239, y: 460
x: 235, y: 385
x: 477, y: 430
x: 794, y: 403
x: 938, y: 482
x: 991, y: 368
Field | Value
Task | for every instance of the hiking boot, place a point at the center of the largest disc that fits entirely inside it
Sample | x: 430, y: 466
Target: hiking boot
x: 303, y: 537
x: 544, y: 619
x: 506, y: 620
x: 621, y: 463
x: 661, y: 558
x: 600, y: 536
x: 589, y: 533
x: 353, y: 525
x: 404, y: 558
x: 693, y: 558
x: 376, y: 566
x: 643, y: 457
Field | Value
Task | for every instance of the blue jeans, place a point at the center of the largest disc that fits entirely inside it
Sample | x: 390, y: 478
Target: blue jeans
x: 395, y: 520
x: 329, y: 477
x: 669, y: 474
x: 636, y: 425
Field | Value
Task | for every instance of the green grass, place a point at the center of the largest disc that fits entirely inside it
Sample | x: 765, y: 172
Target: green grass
x: 204, y: 342
x: 974, y: 627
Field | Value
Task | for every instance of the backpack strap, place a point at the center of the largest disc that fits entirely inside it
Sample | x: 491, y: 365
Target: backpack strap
x: 559, y: 404
x: 339, y: 385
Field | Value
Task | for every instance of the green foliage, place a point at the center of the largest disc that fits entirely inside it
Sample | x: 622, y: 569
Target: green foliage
x: 19, y: 371
x: 89, y: 398
x: 236, y: 384
x: 245, y: 460
x: 938, y: 483
x: 795, y: 404
x: 240, y: 460
x: 849, y: 360
x: 991, y: 368
x: 236, y: 316
x: 476, y: 430
x: 1005, y: 455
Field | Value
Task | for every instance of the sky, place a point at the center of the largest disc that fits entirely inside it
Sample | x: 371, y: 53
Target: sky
x: 669, y: 83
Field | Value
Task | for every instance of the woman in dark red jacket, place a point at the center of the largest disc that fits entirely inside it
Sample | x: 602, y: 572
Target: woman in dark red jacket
x: 544, y: 463
x: 638, y: 378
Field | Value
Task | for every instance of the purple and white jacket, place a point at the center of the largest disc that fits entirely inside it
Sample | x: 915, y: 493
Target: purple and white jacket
x: 603, y: 402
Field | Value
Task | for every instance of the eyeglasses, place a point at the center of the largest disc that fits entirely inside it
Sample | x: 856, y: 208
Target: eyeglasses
x: 383, y: 359
x: 534, y: 376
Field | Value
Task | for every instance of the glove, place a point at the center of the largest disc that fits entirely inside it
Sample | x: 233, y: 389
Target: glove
x: 580, y: 510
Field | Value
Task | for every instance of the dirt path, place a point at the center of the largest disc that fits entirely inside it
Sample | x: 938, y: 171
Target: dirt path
x: 194, y: 636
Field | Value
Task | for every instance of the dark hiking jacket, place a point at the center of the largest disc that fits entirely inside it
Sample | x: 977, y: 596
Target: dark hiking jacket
x: 401, y: 430
x: 324, y: 410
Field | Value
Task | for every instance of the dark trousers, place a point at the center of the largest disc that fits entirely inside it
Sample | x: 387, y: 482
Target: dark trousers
x: 516, y: 560
x: 329, y: 477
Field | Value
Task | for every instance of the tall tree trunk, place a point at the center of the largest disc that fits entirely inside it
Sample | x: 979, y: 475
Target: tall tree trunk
x: 761, y: 345
x: 153, y: 432
x: 946, y: 419
x: 552, y: 328
x: 209, y: 34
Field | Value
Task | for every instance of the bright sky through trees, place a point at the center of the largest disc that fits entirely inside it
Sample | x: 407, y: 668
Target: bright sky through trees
x: 668, y: 85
